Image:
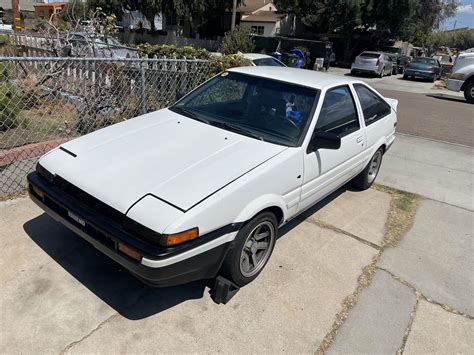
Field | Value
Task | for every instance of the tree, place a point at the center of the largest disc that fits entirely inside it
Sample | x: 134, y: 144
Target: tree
x: 239, y: 40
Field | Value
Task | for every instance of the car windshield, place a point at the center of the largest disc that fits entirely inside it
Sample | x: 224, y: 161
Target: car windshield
x: 269, y: 62
x: 429, y: 61
x: 261, y: 108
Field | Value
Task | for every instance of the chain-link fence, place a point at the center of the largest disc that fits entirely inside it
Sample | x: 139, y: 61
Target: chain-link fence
x: 47, y: 101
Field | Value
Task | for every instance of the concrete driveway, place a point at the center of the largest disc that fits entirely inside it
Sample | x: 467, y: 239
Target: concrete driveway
x: 60, y: 294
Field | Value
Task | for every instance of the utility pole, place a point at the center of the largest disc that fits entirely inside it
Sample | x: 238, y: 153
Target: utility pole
x: 234, y: 14
x: 16, y: 15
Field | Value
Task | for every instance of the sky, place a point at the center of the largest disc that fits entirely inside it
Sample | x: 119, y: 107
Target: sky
x: 463, y: 18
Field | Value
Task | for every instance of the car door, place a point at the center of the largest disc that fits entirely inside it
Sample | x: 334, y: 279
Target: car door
x: 376, y: 112
x: 325, y: 170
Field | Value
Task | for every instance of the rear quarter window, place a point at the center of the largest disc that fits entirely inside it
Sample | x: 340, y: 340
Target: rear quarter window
x: 373, y: 107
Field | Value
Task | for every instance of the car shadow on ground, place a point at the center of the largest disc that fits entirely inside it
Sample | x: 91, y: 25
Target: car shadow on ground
x: 113, y: 284
x: 104, y: 277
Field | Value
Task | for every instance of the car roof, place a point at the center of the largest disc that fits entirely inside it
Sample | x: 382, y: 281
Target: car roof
x: 252, y: 56
x: 309, y: 78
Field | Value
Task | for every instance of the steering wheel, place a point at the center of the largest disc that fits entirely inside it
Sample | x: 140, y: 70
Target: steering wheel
x: 292, y: 123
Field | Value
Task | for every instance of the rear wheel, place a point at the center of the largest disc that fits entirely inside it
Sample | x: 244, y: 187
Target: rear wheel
x: 353, y: 72
x: 469, y: 92
x: 251, y: 249
x: 367, y: 177
x: 405, y: 77
x: 382, y: 73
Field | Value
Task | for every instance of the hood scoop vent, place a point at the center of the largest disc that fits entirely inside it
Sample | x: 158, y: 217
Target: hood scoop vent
x: 68, y: 151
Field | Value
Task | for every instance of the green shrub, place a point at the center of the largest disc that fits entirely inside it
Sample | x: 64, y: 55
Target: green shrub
x: 170, y: 51
x: 239, y: 40
x: 6, y: 70
x: 221, y: 63
x: 10, y: 106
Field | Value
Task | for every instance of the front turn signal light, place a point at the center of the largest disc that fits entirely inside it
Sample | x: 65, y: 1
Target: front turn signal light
x: 132, y: 253
x: 37, y: 192
x: 168, y: 240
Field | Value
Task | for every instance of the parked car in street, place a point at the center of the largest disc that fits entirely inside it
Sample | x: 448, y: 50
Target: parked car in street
x: 86, y: 44
x: 462, y: 75
x: 263, y: 60
x: 201, y: 188
x: 375, y: 63
x: 422, y: 67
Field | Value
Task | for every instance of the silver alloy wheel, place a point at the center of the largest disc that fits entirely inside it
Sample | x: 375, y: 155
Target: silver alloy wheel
x: 257, y: 248
x: 374, y: 166
x: 472, y: 92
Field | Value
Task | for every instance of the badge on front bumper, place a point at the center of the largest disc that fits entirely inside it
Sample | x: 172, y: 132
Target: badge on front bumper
x: 76, y: 218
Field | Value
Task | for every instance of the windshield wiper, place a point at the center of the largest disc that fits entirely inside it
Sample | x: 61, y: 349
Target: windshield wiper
x: 238, y: 129
x: 188, y: 113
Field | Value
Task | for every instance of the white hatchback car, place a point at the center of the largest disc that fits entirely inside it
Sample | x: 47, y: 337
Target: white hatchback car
x: 265, y: 60
x: 200, y: 188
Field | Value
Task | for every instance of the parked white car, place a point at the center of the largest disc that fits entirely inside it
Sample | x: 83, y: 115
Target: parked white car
x: 259, y: 60
x: 462, y: 75
x: 201, y: 188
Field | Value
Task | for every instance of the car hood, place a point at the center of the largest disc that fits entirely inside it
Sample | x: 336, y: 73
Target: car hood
x: 175, y: 158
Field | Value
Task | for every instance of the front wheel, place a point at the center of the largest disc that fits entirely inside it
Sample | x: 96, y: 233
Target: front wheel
x: 251, y: 249
x: 367, y: 177
x: 469, y: 92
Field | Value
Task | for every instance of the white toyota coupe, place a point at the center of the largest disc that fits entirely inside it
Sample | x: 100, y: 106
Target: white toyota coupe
x: 201, y: 188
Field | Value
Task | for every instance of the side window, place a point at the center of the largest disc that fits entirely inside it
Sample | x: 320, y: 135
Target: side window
x: 373, y: 106
x: 338, y: 114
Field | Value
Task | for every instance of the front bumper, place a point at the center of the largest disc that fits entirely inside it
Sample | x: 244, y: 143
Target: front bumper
x: 158, y: 266
x: 454, y: 84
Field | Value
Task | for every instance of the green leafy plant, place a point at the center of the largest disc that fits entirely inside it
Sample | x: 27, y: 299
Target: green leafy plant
x: 221, y: 63
x: 239, y: 40
x: 10, y: 106
x: 170, y: 51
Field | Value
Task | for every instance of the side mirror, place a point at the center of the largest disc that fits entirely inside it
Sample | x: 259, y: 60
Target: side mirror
x: 324, y: 140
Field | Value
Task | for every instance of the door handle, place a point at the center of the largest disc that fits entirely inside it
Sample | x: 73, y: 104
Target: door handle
x: 359, y: 139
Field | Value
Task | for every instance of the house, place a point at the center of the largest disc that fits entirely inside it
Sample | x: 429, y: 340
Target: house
x: 262, y: 16
x: 47, y: 11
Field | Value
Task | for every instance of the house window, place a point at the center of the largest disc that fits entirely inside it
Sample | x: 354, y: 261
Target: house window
x: 41, y: 13
x: 258, y: 30
x: 175, y: 21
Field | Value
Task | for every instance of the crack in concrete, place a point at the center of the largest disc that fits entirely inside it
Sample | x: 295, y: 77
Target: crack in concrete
x: 74, y: 343
x: 391, y: 239
x: 322, y: 224
x: 424, y: 297
x: 401, y: 349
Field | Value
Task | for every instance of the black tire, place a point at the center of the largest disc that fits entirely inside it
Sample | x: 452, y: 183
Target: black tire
x: 469, y: 92
x: 381, y: 75
x: 231, y: 267
x: 433, y: 78
x: 353, y: 72
x: 405, y: 77
x: 367, y: 177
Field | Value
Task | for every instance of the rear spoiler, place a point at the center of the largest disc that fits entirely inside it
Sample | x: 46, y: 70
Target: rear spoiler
x: 392, y: 102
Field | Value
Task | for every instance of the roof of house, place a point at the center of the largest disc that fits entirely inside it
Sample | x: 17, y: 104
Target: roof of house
x: 308, y: 78
x: 249, y: 6
x: 263, y: 16
x: 55, y: 4
x: 25, y: 5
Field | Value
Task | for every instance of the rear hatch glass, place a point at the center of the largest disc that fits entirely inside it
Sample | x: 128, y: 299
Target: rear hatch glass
x: 369, y: 55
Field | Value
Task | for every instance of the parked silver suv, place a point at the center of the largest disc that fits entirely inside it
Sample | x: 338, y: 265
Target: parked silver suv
x: 462, y: 75
x: 372, y: 63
